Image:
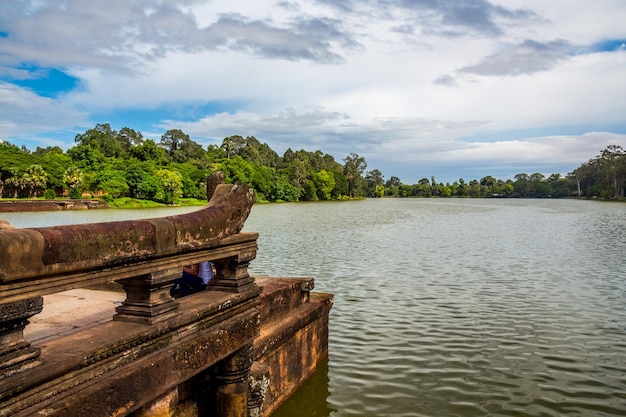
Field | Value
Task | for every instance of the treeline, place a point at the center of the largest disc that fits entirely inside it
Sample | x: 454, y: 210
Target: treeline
x: 110, y: 164
x: 601, y: 177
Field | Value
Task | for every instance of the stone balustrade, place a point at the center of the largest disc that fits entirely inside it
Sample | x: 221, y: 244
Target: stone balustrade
x: 156, y: 351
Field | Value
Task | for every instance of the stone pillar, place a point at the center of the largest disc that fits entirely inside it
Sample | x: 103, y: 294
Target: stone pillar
x: 16, y: 353
x: 148, y: 297
x: 258, y: 384
x: 231, y: 274
x: 232, y: 377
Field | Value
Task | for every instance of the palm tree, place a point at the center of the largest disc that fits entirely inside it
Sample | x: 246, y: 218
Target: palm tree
x: 36, y: 179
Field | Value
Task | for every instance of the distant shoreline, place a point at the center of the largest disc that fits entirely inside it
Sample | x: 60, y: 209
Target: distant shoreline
x: 10, y: 206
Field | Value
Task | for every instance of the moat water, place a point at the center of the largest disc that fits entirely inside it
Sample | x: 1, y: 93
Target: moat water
x: 450, y: 307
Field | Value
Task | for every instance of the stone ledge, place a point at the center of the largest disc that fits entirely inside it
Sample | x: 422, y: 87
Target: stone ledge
x: 12, y: 206
x: 210, y: 326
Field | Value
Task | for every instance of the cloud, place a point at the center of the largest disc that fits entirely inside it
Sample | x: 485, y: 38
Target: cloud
x: 445, y: 79
x: 25, y: 113
x: 525, y: 58
x: 418, y: 87
x: 439, y: 17
x: 129, y: 33
x: 307, y: 39
x: 450, y: 160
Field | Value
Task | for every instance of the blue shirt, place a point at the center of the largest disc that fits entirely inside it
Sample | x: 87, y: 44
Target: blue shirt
x: 205, y: 271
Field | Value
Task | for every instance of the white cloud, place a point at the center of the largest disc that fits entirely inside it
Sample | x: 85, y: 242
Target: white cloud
x: 25, y: 113
x: 399, y: 82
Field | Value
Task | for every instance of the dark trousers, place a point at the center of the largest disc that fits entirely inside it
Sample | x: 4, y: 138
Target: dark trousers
x: 188, y: 284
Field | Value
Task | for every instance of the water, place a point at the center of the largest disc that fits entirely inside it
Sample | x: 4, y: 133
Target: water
x: 452, y: 307
x: 64, y: 217
x: 459, y: 307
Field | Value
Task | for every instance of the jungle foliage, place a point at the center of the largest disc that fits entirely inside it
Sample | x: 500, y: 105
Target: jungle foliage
x: 114, y: 164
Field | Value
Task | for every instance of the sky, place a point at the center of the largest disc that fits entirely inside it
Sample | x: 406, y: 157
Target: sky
x: 419, y: 88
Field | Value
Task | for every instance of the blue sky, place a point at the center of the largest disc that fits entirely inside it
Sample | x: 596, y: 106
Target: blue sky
x: 451, y: 89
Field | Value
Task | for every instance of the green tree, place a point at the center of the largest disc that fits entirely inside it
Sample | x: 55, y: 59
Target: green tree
x: 324, y: 183
x: 194, y: 179
x: 611, y: 162
x: 180, y: 147
x: 35, y: 179
x: 522, y: 185
x: 232, y: 145
x: 55, y: 162
x: 354, y: 168
x: 104, y: 140
x: 148, y: 150
x: 298, y: 174
x: 86, y: 156
x: 74, y: 178
x: 128, y: 138
x: 259, y: 153
x: 15, y: 181
x: 341, y: 185
x: 423, y: 188
x: 110, y: 181
x: 373, y: 180
x: 171, y: 183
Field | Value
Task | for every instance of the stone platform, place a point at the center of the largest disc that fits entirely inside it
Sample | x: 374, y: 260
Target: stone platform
x: 70, y: 311
x: 293, y: 336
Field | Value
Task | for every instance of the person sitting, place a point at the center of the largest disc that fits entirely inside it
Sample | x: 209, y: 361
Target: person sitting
x: 193, y: 279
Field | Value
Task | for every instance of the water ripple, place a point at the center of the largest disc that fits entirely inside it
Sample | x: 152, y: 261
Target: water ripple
x: 463, y: 307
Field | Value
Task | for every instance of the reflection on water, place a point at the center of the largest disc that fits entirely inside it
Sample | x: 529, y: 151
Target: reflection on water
x: 460, y: 307
x: 314, y: 393
x: 451, y: 307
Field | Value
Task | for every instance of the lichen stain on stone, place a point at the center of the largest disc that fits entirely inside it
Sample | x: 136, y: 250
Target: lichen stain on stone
x: 224, y: 305
x: 127, y: 248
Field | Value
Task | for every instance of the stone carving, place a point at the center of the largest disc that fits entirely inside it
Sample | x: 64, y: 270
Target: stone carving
x: 26, y: 253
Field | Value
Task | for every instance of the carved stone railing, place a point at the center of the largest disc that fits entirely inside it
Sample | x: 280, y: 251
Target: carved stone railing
x: 145, y: 256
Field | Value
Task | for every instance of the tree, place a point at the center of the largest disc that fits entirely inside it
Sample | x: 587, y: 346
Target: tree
x: 522, y: 184
x: 74, y: 179
x: 128, y: 138
x: 422, y: 188
x: 298, y: 173
x: 354, y: 167
x: 105, y: 140
x: 142, y: 183
x: 110, y: 181
x: 148, y: 150
x: 373, y: 180
x: 612, y: 163
x: 55, y: 162
x: 324, y: 182
x: 35, y: 179
x: 14, y: 181
x: 393, y: 182
x: 259, y: 153
x: 180, y: 147
x: 86, y: 156
x: 232, y: 145
x: 171, y: 183
x: 341, y: 185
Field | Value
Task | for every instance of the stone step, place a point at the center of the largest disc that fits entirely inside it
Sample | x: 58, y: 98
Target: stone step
x: 279, y: 297
x: 293, y: 339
